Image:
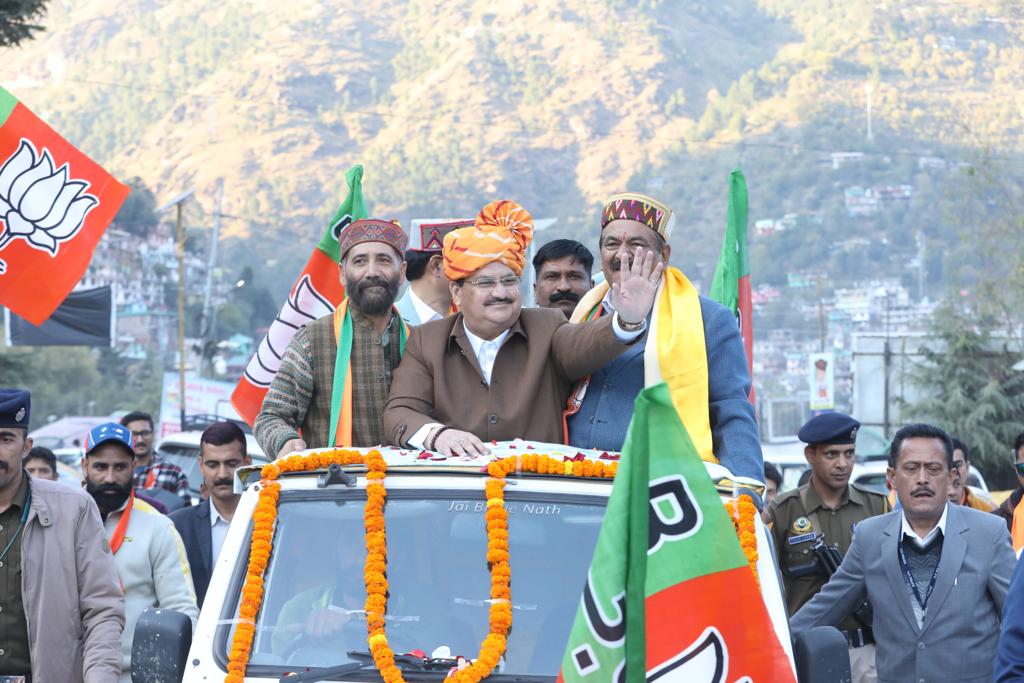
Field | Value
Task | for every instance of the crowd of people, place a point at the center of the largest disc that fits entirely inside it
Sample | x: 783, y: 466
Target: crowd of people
x: 921, y: 582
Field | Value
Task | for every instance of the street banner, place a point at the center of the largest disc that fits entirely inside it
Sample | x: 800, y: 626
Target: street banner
x: 730, y: 285
x: 670, y: 595
x: 206, y: 397
x: 316, y: 293
x: 821, y: 380
x: 55, y: 204
x: 85, y: 318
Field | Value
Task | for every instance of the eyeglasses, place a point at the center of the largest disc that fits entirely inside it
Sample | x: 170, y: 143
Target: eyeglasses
x: 489, y: 283
x: 143, y: 434
x: 1020, y: 468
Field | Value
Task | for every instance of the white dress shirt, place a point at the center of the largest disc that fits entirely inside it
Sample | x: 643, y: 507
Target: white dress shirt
x: 424, y: 312
x: 486, y: 352
x: 218, y: 530
x: 908, y: 530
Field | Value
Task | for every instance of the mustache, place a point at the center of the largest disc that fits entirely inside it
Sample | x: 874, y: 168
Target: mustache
x: 223, y: 482
x: 567, y: 295
x: 923, y: 489
x: 496, y: 300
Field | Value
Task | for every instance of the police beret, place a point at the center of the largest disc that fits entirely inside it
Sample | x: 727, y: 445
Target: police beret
x: 15, y: 405
x: 834, y: 428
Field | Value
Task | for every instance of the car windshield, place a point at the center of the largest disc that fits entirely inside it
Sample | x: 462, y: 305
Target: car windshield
x: 187, y: 458
x: 439, y: 585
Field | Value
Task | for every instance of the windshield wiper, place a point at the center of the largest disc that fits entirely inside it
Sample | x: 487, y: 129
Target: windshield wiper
x: 324, y: 674
x: 416, y: 663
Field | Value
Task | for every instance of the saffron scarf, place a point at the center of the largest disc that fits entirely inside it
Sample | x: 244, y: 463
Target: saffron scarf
x: 678, y: 358
x: 1017, y: 529
x: 341, y: 390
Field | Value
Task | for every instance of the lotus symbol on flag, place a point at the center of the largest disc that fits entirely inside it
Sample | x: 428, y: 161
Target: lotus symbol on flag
x: 38, y: 203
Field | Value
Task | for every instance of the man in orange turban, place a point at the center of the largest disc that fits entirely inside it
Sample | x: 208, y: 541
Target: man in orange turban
x: 493, y: 371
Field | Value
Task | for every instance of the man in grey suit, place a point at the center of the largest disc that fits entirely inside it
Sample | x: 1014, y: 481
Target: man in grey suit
x: 936, y: 574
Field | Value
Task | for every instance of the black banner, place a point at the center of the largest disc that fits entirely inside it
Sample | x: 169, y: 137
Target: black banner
x: 85, y: 318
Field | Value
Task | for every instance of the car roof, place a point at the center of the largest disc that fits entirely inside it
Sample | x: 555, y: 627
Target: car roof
x: 192, y: 439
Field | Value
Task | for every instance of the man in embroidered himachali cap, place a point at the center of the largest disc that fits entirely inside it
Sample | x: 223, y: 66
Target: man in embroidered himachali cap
x: 335, y: 373
x: 692, y: 343
x: 428, y: 296
x: 494, y: 371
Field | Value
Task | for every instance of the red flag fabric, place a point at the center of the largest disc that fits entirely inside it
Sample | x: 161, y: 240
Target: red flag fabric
x: 55, y: 204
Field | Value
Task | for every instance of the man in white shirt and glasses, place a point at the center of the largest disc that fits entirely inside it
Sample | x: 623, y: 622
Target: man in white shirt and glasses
x: 494, y: 371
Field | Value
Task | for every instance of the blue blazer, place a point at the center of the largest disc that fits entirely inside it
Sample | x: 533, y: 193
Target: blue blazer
x: 734, y: 431
x: 193, y: 524
x: 1010, y: 651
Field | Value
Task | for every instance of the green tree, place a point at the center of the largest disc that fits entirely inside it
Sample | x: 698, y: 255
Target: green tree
x: 18, y: 20
x: 969, y: 387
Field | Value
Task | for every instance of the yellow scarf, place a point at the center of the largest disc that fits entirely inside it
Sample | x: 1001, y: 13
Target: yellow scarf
x: 679, y: 358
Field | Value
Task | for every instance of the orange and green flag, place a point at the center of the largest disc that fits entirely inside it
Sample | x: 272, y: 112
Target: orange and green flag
x: 316, y: 293
x: 670, y: 596
x: 55, y: 204
x: 730, y: 285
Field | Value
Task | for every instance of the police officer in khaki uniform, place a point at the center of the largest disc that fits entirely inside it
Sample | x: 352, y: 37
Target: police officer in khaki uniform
x: 827, y: 509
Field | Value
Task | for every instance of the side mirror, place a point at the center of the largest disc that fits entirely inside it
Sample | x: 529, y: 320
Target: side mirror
x: 821, y: 655
x: 160, y: 646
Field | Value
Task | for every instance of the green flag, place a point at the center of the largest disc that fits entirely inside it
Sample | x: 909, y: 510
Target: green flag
x: 669, y: 595
x: 730, y: 285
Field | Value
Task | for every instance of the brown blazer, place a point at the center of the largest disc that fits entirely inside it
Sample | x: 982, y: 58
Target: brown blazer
x: 439, y: 379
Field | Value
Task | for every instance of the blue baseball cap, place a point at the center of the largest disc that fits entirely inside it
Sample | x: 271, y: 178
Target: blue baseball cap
x: 108, y: 432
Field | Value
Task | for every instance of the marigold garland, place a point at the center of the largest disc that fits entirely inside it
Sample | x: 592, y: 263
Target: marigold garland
x: 742, y: 512
x: 375, y: 570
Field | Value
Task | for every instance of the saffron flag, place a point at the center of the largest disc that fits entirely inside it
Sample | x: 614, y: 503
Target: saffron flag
x: 730, y: 285
x: 316, y: 293
x: 670, y: 596
x: 55, y: 204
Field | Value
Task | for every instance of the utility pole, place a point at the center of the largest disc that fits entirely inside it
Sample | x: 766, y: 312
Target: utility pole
x: 178, y: 202
x: 210, y: 317
x: 181, y: 315
x: 869, y: 89
x: 821, y: 314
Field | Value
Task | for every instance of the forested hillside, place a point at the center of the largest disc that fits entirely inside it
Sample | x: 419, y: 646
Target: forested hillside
x: 555, y: 103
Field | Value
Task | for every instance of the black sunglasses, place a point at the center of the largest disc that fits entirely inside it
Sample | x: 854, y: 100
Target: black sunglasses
x: 1020, y: 468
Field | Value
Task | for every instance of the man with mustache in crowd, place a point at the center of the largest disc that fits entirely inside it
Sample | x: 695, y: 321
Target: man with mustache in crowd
x: 336, y: 372
x: 428, y: 296
x: 692, y: 344
x: 936, y: 574
x: 562, y: 271
x: 222, y: 450
x: 826, y: 509
x: 495, y: 371
x: 147, y: 549
x: 61, y: 609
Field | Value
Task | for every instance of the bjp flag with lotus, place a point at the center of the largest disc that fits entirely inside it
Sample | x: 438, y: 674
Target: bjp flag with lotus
x: 55, y: 204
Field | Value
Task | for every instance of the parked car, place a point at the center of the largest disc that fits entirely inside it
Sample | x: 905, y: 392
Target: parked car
x: 438, y: 597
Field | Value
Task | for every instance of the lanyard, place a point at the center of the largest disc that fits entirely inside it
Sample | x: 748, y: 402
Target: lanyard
x: 122, y: 525
x: 21, y: 524
x: 913, y: 582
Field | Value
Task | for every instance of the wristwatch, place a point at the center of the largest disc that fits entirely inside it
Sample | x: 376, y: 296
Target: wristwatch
x: 630, y: 327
